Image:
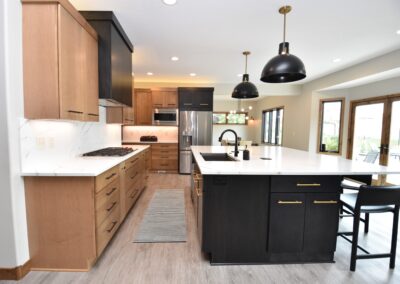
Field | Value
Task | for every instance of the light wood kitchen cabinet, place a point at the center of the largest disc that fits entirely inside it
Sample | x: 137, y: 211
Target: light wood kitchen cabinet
x: 60, y: 70
x: 71, y: 220
x: 121, y: 115
x: 165, y: 98
x: 164, y: 157
x: 143, y: 107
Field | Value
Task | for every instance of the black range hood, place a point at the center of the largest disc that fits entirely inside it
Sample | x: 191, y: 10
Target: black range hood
x: 115, y: 59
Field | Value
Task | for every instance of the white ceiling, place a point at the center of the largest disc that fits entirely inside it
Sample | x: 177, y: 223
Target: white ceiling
x: 209, y: 35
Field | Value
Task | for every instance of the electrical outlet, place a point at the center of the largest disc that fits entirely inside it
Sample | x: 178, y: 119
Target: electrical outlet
x: 41, y: 142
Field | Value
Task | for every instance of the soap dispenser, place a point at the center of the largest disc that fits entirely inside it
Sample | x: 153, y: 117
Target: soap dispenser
x: 246, y: 154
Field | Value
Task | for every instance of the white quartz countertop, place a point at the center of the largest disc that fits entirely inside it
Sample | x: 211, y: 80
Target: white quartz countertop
x: 78, y: 166
x: 284, y: 161
x: 150, y: 142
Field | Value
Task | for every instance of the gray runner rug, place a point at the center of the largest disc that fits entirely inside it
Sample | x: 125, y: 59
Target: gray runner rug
x: 164, y: 220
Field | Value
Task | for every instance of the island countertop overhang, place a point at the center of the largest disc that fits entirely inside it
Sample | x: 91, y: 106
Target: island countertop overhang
x: 284, y: 161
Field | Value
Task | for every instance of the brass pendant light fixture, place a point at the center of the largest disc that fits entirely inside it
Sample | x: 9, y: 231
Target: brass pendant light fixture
x: 246, y: 89
x: 284, y: 67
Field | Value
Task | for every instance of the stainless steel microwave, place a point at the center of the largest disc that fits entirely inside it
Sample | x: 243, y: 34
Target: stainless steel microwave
x: 165, y: 116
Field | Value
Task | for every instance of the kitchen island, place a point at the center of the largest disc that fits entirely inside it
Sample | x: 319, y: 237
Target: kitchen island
x: 281, y: 206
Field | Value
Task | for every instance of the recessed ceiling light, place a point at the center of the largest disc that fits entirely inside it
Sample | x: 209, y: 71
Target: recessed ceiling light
x: 174, y: 58
x: 150, y: 73
x: 398, y: 32
x: 169, y: 2
x: 193, y: 74
x: 239, y: 75
x: 336, y: 60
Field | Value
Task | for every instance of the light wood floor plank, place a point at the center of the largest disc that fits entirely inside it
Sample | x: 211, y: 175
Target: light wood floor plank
x: 128, y: 262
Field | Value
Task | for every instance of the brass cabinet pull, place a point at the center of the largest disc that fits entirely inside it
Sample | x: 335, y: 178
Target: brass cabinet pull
x: 187, y: 104
x: 134, y: 160
x: 111, y: 191
x: 132, y: 177
x: 325, y: 202
x: 93, y: 114
x: 308, y: 184
x: 112, y: 206
x: 112, y: 227
x: 110, y: 176
x: 290, y: 202
x: 204, y: 104
x: 198, y: 192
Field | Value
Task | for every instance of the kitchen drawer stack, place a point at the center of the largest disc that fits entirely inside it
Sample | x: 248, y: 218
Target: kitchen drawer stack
x: 107, y: 200
x: 72, y: 219
x: 197, y: 199
x: 164, y: 157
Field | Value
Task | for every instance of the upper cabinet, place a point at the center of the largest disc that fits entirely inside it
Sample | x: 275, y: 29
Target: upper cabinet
x: 60, y: 70
x: 200, y: 99
x: 165, y: 98
x: 114, y: 59
x: 143, y: 107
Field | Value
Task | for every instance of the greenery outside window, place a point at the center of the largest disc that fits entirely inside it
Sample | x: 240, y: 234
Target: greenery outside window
x: 330, y: 126
x: 226, y: 118
x: 272, y: 126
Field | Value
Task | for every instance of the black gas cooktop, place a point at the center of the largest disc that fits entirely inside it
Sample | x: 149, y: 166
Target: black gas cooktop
x: 111, y: 151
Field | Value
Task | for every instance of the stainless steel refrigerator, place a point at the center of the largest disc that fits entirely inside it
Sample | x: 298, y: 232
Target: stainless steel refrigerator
x: 195, y: 128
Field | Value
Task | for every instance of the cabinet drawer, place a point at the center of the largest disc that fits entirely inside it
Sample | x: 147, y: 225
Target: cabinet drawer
x: 132, y: 175
x: 164, y: 146
x: 165, y: 156
x: 107, y: 229
x: 305, y: 184
x: 164, y: 164
x: 106, y: 178
x: 106, y: 202
x: 133, y: 161
x: 132, y: 194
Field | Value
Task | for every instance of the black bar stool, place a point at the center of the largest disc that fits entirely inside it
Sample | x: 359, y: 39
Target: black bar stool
x: 354, y: 185
x: 371, y: 199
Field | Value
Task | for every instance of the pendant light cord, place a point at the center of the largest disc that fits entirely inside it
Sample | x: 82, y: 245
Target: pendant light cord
x: 284, y: 27
x: 245, y: 68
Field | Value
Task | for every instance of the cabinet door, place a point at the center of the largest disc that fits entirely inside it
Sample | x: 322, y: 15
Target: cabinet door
x: 71, y: 53
x: 322, y: 221
x: 204, y: 101
x: 286, y: 222
x: 114, y: 115
x: 90, y: 77
x: 171, y: 99
x: 128, y: 115
x: 143, y: 107
x: 158, y: 98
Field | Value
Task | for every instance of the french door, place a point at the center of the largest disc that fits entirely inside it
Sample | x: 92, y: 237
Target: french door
x: 374, y: 133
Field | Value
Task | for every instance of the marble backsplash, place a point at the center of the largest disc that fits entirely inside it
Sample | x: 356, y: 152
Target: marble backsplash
x: 52, y: 141
x: 164, y: 133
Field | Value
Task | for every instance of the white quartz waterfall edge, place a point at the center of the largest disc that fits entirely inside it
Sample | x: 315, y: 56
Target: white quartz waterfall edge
x: 164, y: 220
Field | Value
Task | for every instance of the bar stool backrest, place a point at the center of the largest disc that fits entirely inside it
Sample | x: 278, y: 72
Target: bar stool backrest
x: 369, y: 195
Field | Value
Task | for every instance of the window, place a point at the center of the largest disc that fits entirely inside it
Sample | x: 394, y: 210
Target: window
x: 239, y: 118
x: 272, y: 126
x: 330, y: 125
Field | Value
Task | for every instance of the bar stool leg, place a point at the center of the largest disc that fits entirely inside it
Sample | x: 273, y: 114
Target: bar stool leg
x: 356, y: 225
x: 394, y: 237
x: 366, y: 223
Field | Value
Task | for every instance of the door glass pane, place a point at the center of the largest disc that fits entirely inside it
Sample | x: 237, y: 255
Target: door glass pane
x: 280, y: 127
x: 394, y: 143
x: 367, y: 133
x: 330, y: 131
x: 273, y: 126
x: 266, y: 126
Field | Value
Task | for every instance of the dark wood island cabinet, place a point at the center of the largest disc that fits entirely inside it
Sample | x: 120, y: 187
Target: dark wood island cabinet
x: 251, y: 212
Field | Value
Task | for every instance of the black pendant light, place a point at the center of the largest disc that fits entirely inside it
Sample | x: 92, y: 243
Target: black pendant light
x: 284, y: 67
x: 246, y: 89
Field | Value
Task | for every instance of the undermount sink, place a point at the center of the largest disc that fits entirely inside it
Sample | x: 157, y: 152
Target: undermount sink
x: 221, y: 157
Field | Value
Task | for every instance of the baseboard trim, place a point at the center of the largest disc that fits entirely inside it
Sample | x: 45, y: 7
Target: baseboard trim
x: 15, y: 273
